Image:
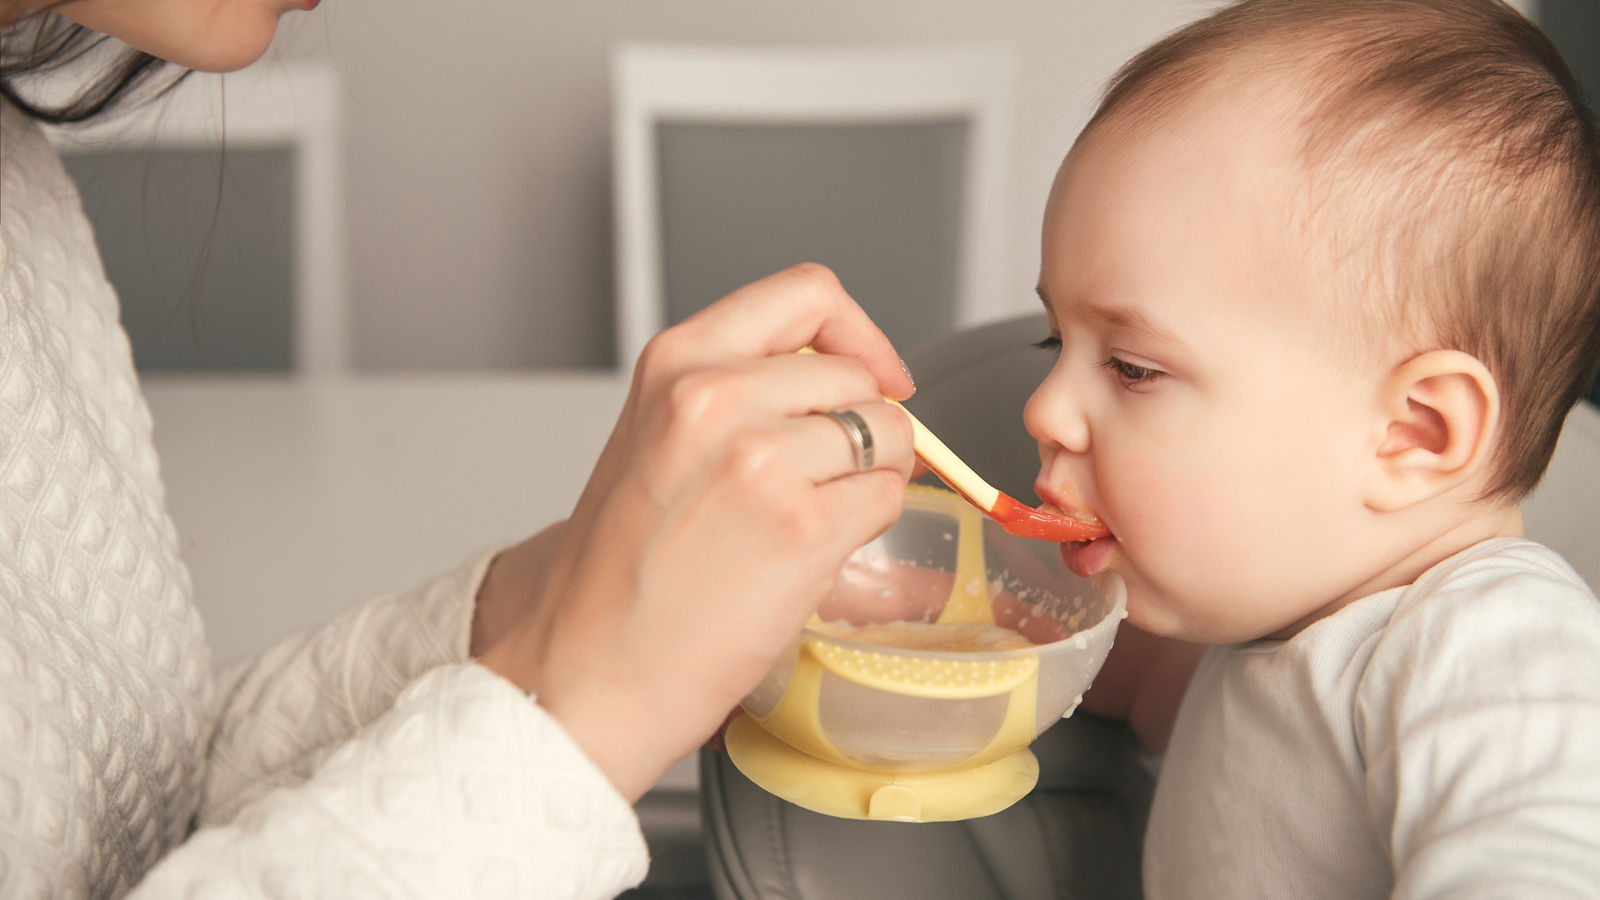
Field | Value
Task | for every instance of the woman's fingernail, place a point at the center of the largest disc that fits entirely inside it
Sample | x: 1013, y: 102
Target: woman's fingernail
x: 907, y: 369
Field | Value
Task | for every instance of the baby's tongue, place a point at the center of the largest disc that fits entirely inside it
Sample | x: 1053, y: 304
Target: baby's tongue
x: 1089, y: 558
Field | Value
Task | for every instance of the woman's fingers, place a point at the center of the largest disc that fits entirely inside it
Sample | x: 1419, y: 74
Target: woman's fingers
x: 802, y: 305
x: 827, y: 449
x: 788, y: 385
x: 860, y: 508
x: 756, y: 412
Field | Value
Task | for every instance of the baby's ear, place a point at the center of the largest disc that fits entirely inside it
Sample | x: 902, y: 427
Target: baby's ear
x: 1442, y: 408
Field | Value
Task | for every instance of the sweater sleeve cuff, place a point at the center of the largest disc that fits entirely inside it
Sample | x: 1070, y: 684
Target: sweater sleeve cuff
x: 464, y: 788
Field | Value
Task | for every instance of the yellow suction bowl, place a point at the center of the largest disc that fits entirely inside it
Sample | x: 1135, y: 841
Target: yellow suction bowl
x: 870, y: 731
x: 852, y: 793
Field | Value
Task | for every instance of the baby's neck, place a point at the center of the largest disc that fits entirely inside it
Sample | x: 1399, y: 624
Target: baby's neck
x: 1492, y: 520
x: 1431, y: 542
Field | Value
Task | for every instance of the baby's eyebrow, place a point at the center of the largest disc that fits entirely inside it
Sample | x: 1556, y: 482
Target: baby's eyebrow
x: 1128, y: 318
x: 1125, y: 318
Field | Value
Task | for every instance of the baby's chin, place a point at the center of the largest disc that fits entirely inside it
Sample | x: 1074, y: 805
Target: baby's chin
x: 1140, y: 616
x: 1153, y: 616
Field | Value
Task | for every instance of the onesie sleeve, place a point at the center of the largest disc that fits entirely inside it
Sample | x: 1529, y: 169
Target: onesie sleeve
x: 1479, y: 721
x: 279, y: 713
x: 463, y: 788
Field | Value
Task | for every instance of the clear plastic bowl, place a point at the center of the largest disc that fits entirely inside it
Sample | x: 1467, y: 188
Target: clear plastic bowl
x: 906, y: 576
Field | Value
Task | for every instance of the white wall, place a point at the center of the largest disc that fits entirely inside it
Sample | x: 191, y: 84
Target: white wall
x: 478, y: 146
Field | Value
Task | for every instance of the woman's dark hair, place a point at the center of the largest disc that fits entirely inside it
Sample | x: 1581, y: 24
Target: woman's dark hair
x: 45, y: 42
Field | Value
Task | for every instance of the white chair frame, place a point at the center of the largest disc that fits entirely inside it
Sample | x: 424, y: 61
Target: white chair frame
x: 654, y: 82
x: 270, y: 104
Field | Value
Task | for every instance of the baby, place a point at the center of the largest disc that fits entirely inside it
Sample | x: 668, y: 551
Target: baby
x: 1324, y: 280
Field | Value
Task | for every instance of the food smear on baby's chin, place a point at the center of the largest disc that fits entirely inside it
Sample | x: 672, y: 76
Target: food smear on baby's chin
x: 1068, y: 494
x: 965, y: 637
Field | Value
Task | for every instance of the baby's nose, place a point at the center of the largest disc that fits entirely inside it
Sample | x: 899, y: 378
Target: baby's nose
x: 1055, y: 417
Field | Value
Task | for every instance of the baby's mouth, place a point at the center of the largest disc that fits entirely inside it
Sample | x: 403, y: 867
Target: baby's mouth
x: 1057, y: 509
x: 1084, y: 558
x: 1087, y: 559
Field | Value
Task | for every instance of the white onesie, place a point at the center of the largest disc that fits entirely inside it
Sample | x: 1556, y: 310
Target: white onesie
x: 1438, y: 739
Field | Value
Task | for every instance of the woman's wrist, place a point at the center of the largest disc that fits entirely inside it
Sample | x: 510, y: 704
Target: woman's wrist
x: 507, y: 590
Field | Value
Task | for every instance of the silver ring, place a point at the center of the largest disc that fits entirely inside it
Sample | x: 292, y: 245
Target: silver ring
x: 855, y: 428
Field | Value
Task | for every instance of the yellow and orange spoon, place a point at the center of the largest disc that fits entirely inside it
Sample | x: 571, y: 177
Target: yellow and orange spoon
x: 1016, y: 518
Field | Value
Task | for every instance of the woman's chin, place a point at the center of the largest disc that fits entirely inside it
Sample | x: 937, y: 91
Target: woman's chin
x: 228, y: 43
x: 224, y: 56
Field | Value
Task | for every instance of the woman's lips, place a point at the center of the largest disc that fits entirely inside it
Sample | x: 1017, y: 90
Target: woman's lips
x: 1089, y: 558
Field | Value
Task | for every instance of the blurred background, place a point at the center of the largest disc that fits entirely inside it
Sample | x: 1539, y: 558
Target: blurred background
x: 472, y: 162
x: 477, y: 147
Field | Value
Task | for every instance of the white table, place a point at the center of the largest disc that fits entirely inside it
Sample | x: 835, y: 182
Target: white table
x: 296, y: 498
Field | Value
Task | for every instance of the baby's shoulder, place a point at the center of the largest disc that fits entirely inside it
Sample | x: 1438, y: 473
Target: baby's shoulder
x: 1498, y: 585
x: 1507, y: 617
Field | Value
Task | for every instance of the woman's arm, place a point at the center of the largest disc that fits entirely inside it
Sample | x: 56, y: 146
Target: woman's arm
x: 280, y: 713
x: 463, y: 788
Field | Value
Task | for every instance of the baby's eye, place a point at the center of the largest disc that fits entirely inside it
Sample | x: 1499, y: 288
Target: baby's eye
x: 1051, y: 343
x: 1131, y: 374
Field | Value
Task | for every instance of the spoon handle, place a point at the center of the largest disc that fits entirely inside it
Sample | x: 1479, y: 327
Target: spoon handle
x: 948, y: 466
x: 1016, y: 518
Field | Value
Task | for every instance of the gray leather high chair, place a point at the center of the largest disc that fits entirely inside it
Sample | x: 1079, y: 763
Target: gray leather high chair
x: 1076, y: 835
x: 1079, y: 833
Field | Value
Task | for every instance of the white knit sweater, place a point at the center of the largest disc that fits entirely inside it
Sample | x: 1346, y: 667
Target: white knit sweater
x: 368, y: 758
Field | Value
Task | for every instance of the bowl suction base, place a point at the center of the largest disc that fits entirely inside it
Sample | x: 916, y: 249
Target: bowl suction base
x: 945, y: 795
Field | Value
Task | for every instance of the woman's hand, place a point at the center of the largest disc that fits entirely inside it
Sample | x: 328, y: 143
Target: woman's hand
x: 716, y: 519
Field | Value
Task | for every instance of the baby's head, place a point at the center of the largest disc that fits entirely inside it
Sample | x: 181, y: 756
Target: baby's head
x: 1327, y: 276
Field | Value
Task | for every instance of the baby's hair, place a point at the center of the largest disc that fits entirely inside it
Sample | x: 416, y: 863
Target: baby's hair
x: 1453, y: 184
